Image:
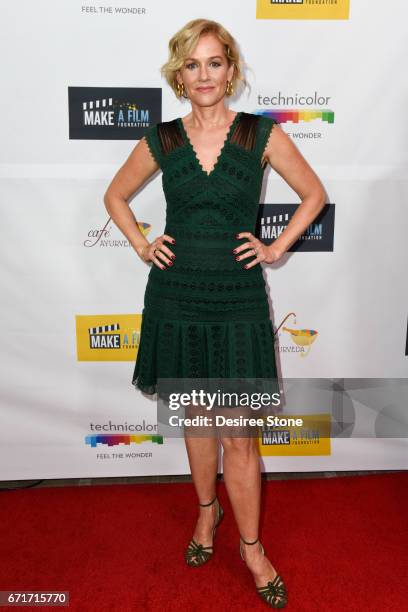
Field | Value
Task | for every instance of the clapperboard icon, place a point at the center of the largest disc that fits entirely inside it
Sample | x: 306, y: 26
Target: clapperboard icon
x: 104, y: 337
x: 97, y: 104
x: 273, y: 225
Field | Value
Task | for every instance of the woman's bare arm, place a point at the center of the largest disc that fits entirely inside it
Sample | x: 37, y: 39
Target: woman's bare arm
x: 284, y: 157
x: 137, y: 169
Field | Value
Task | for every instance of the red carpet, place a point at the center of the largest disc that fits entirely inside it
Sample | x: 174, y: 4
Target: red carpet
x: 339, y: 543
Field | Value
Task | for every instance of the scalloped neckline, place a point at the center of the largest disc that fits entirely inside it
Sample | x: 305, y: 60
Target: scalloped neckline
x: 224, y: 144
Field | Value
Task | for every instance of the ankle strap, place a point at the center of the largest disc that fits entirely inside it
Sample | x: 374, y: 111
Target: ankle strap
x: 249, y: 543
x: 209, y: 503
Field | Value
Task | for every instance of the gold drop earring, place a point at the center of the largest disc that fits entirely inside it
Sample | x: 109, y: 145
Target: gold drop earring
x: 181, y: 90
x: 229, y: 90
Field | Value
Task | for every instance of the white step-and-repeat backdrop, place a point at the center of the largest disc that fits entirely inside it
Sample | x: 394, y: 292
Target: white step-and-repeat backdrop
x: 80, y: 83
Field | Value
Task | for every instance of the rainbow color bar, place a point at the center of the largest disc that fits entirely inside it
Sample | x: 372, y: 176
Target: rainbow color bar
x: 296, y: 116
x: 115, y: 439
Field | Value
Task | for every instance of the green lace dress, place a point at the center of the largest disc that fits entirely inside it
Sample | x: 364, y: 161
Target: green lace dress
x: 206, y: 316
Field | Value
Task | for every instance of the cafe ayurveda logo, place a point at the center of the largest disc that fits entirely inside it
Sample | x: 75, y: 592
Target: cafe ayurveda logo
x: 294, y: 339
x: 109, y: 237
x: 112, y: 113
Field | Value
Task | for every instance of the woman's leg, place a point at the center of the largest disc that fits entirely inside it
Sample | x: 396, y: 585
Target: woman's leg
x: 203, y: 459
x: 242, y: 479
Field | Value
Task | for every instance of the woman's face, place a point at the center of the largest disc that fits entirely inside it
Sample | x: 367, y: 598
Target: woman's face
x: 206, y: 72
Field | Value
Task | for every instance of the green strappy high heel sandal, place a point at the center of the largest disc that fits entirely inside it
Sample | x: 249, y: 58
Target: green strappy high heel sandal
x: 274, y: 592
x: 197, y: 554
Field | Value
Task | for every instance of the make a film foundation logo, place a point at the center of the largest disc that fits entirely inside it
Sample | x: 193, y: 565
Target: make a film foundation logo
x: 302, y: 9
x: 311, y: 438
x: 113, y: 113
x: 318, y: 236
x: 108, y: 337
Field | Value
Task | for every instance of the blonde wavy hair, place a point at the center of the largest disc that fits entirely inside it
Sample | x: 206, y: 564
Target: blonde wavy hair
x: 184, y: 41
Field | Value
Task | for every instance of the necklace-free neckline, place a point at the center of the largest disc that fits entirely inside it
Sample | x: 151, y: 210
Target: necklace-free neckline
x: 194, y: 152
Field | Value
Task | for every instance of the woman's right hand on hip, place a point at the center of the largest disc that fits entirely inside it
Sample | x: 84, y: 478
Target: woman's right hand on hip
x: 158, y: 253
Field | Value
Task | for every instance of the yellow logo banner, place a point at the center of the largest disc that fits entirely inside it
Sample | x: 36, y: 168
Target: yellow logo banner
x: 310, y: 438
x: 108, y: 337
x: 302, y: 9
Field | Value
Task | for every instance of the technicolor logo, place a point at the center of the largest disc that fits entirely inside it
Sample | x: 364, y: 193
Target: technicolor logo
x: 302, y: 9
x: 93, y: 440
x: 113, y: 113
x: 108, y: 337
x: 286, y: 115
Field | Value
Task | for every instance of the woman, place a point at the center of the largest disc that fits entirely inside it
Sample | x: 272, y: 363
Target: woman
x: 206, y: 310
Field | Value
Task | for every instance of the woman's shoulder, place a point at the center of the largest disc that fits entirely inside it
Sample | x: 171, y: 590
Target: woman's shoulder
x: 162, y: 124
x: 262, y: 117
x: 163, y: 130
x: 155, y: 130
x: 257, y: 122
x: 253, y: 128
x: 162, y: 137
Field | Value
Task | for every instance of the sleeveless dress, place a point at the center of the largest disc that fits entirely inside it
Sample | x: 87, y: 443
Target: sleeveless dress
x: 206, y: 315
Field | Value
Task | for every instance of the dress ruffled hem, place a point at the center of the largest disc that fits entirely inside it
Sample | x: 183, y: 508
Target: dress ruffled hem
x: 172, y: 349
x: 145, y: 388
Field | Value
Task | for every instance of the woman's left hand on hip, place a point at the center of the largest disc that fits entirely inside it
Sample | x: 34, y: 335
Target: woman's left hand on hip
x: 255, y: 248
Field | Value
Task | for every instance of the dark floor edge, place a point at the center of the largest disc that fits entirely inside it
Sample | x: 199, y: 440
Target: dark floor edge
x: 95, y: 481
